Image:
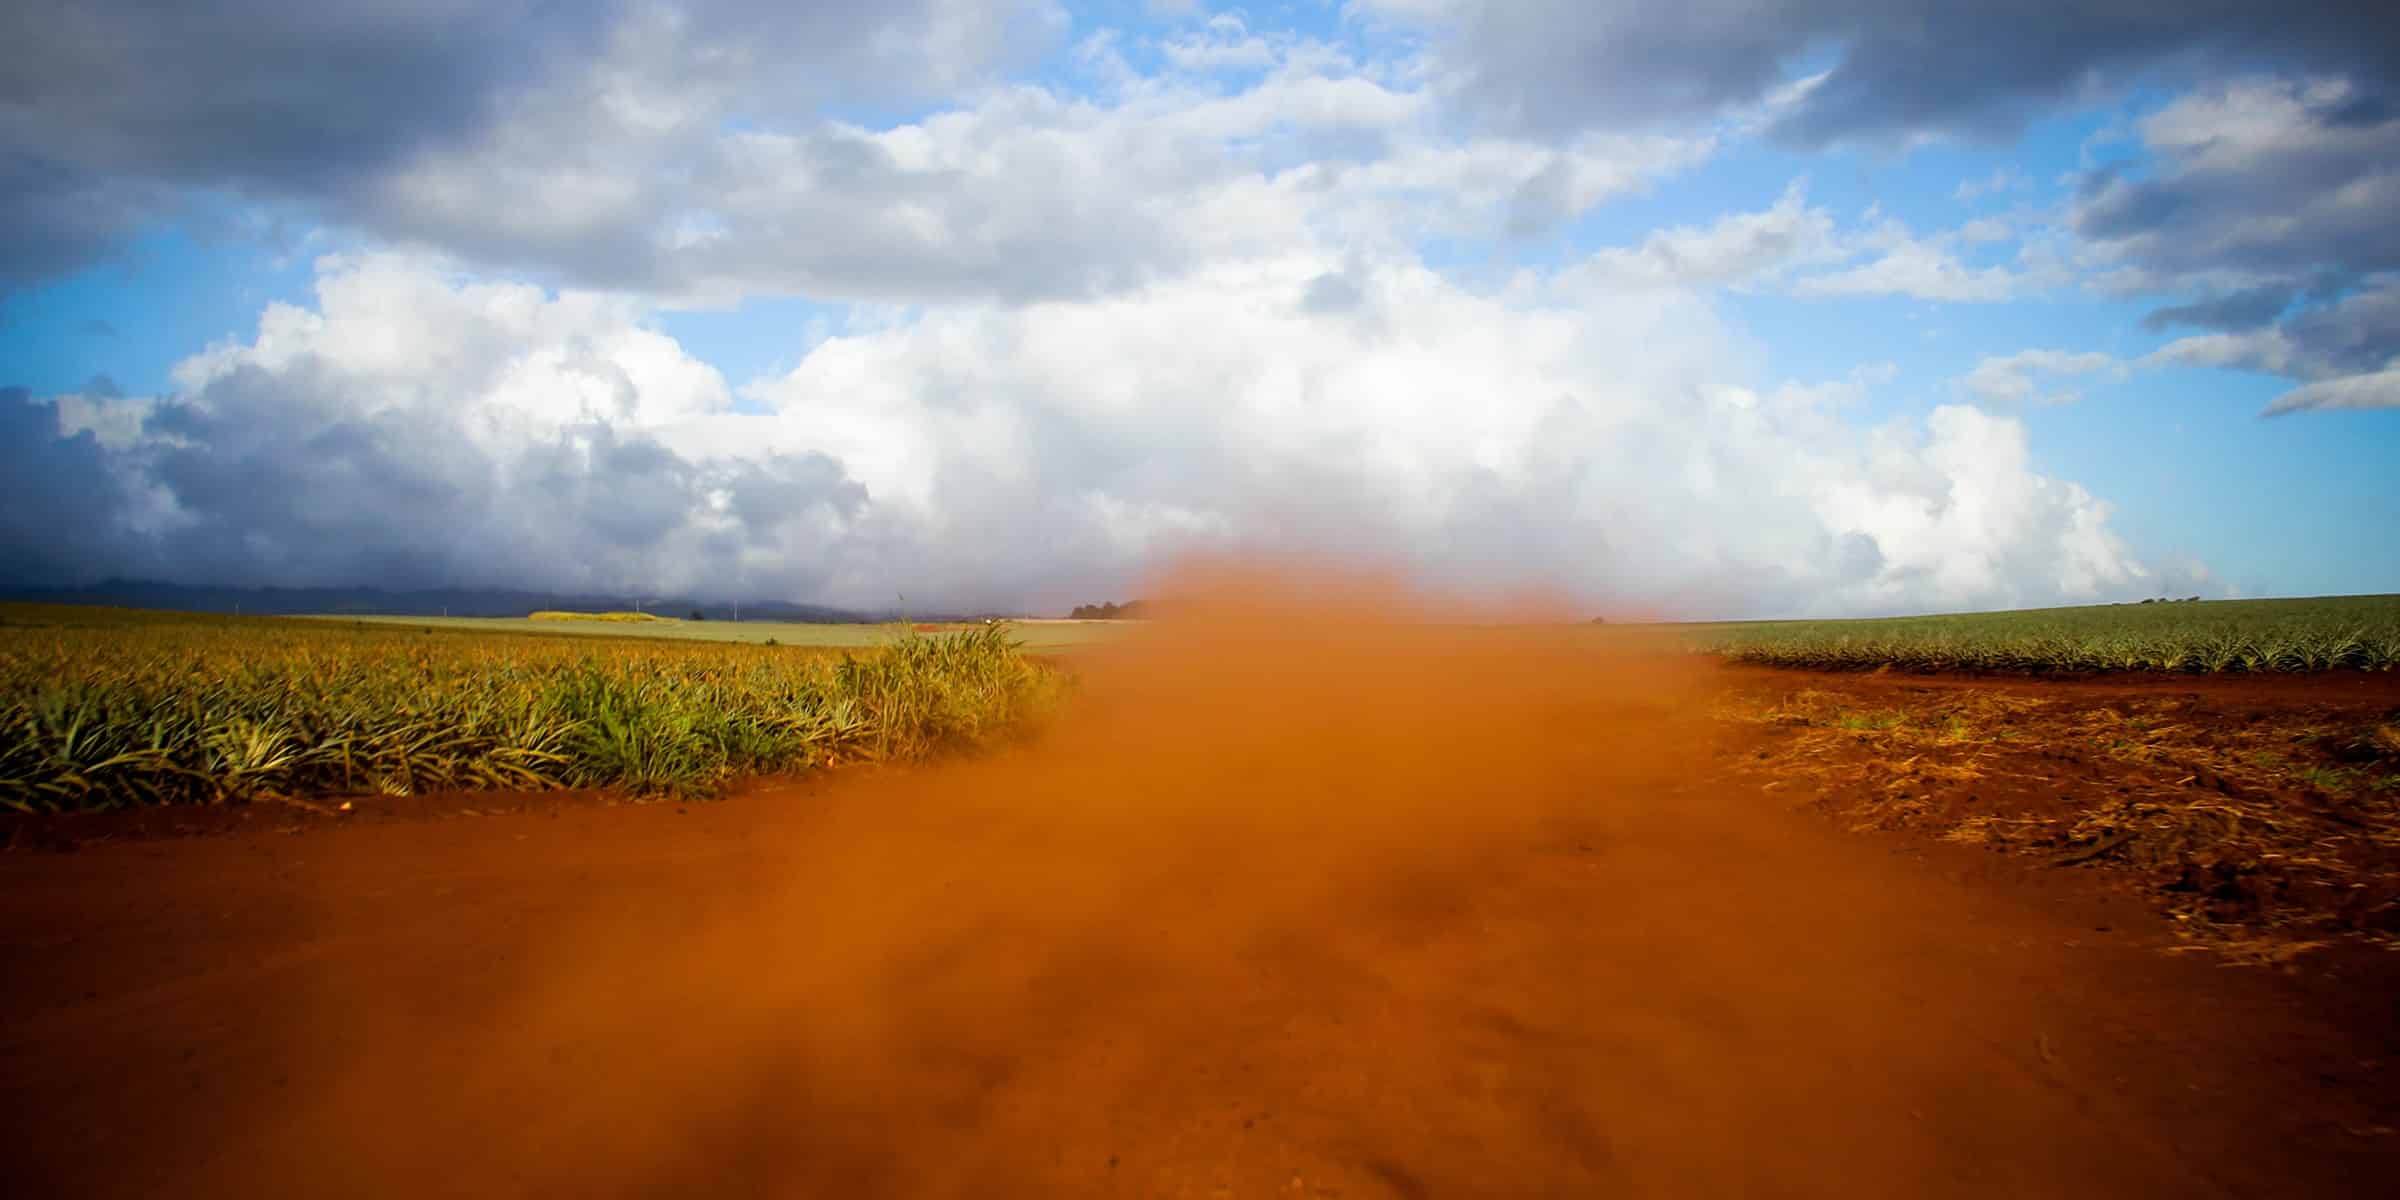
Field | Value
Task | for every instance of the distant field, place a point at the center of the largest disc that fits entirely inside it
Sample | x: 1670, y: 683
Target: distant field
x: 2331, y: 633
x: 1036, y: 636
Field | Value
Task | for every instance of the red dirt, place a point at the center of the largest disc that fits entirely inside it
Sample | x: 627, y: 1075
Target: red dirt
x: 1288, y: 908
x: 2252, y: 807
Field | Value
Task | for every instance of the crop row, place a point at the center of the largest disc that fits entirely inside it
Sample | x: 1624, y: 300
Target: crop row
x: 2207, y: 653
x: 203, y: 712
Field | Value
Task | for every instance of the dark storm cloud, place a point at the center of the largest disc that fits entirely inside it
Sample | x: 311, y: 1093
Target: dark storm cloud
x: 107, y: 109
x: 114, y: 113
x: 2296, y: 200
x: 2344, y: 351
x: 2356, y: 334
x: 62, y: 505
x: 262, y: 89
x: 278, y: 475
x: 293, y: 477
x: 1894, y: 67
x: 2284, y: 187
x: 2243, y: 309
x: 763, y: 493
x: 55, y: 217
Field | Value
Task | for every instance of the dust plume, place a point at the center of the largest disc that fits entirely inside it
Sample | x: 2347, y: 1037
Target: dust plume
x: 1314, y: 888
x: 1223, y: 793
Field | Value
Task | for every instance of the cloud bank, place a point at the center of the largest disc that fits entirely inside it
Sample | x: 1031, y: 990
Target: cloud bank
x: 414, y: 427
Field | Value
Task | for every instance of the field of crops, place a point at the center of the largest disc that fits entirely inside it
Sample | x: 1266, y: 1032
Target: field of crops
x: 2334, y: 633
x: 101, y: 708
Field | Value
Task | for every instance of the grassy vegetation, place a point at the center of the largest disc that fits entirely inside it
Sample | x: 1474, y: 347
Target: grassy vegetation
x: 2336, y: 633
x: 101, y: 708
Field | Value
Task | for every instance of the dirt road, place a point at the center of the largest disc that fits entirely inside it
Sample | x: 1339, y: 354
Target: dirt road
x: 1355, y: 914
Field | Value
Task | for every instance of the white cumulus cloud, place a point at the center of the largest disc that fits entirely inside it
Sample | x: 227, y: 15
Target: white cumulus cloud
x: 416, y: 425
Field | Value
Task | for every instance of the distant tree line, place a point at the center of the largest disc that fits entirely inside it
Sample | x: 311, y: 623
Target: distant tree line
x: 1127, y: 611
x: 2172, y: 600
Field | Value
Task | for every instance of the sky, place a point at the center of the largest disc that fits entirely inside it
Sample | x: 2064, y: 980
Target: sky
x: 1723, y: 308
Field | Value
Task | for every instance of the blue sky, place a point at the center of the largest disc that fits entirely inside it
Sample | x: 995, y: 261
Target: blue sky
x: 1753, y: 311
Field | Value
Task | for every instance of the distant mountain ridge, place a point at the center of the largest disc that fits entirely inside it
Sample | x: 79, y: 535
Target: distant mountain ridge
x: 456, y: 602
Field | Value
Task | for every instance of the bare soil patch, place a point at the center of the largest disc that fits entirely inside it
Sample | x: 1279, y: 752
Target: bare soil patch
x: 2261, y: 813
